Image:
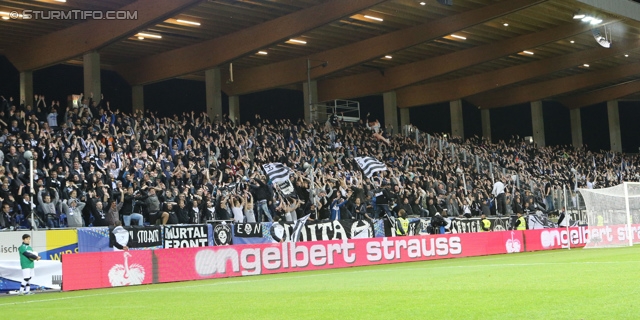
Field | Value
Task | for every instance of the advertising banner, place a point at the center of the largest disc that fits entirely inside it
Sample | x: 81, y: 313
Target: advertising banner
x: 44, y: 270
x: 106, y: 269
x: 241, y: 260
x: 10, y: 241
x: 60, y: 242
x: 560, y: 238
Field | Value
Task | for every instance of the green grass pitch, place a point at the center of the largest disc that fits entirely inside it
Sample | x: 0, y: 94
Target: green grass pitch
x: 561, y: 284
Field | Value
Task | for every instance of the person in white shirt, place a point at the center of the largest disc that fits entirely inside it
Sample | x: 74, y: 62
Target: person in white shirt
x: 498, y: 192
x: 119, y: 237
x: 236, y: 208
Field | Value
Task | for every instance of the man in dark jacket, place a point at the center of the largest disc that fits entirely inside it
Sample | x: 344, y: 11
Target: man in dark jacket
x: 262, y: 195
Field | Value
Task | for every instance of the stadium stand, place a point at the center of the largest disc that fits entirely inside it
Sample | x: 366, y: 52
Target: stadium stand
x: 189, y: 169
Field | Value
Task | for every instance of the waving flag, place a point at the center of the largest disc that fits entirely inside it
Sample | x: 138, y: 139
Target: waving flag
x: 370, y: 165
x: 277, y: 172
x: 298, y: 228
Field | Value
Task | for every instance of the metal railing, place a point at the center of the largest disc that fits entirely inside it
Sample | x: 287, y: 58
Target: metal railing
x: 346, y: 110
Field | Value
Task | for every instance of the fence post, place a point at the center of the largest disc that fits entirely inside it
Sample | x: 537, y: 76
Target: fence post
x: 429, y: 140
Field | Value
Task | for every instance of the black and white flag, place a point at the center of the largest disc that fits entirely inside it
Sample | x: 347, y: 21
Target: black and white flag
x: 277, y: 172
x: 370, y: 165
x: 298, y: 227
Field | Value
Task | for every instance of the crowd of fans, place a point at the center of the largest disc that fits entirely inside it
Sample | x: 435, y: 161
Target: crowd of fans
x: 94, y: 165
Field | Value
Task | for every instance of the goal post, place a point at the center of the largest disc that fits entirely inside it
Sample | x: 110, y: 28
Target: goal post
x: 613, y: 215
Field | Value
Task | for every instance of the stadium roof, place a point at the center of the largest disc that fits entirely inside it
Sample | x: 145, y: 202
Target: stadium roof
x: 489, y: 52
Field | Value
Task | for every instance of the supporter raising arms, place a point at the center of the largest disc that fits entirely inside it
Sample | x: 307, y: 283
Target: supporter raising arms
x: 211, y: 169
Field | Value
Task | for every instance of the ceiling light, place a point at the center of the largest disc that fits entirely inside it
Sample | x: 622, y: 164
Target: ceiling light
x: 193, y: 23
x: 587, y: 19
x: 60, y: 0
x: 263, y: 52
x: 149, y: 35
x: 626, y: 56
x: 572, y: 41
x: 579, y: 16
x: 373, y: 18
x: 388, y: 57
x: 528, y: 52
x: 423, y: 3
x: 458, y: 37
x: 505, y: 24
x: 140, y: 38
x: 298, y: 41
x: 596, y: 21
x: 585, y: 65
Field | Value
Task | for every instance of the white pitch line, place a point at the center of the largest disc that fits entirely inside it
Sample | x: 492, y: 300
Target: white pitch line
x: 395, y: 269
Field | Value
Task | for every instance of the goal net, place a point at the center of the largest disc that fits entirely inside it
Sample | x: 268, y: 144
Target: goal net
x: 613, y: 215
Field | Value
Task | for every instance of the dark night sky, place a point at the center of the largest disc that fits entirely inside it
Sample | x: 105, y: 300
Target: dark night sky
x: 175, y: 96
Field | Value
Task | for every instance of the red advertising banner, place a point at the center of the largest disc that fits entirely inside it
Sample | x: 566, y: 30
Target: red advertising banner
x: 560, y: 238
x: 94, y: 270
x: 241, y: 260
x: 106, y: 269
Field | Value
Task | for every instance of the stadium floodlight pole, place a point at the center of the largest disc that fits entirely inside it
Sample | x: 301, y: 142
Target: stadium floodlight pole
x: 31, y: 189
x: 626, y: 203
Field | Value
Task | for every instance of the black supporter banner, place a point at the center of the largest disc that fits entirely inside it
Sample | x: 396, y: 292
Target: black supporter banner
x: 465, y: 225
x: 222, y: 234
x: 247, y: 230
x: 186, y: 236
x: 332, y: 230
x: 144, y: 236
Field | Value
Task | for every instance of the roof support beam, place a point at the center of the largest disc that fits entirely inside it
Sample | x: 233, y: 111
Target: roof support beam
x: 437, y: 92
x: 541, y: 90
x: 404, y: 75
x: 293, y: 71
x: 598, y: 96
x: 212, y: 53
x: 92, y: 35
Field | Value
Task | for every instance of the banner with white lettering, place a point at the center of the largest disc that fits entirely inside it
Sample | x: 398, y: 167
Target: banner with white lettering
x: 186, y: 236
x: 332, y: 230
x: 249, y: 233
x: 466, y: 225
x: 144, y: 236
x: 96, y: 239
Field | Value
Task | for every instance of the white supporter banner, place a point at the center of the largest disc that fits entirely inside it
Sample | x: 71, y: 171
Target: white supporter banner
x: 370, y: 165
x: 277, y: 172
